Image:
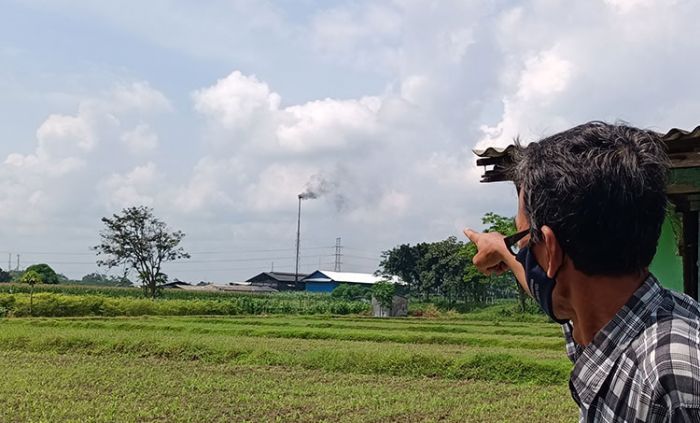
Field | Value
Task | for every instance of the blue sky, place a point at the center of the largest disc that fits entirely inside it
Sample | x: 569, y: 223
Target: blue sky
x: 219, y: 113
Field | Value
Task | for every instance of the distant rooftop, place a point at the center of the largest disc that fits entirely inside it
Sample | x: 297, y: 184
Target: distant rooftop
x: 279, y: 276
x: 348, y: 277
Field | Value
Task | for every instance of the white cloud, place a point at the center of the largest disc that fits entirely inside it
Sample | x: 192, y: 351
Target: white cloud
x: 328, y: 124
x: 62, y: 135
x: 363, y: 36
x: 543, y: 79
x: 627, y: 6
x: 250, y: 113
x: 138, y: 97
x: 212, y: 186
x: 139, y: 186
x: 69, y: 148
x: 383, y: 99
x: 236, y: 101
x: 140, y: 140
x: 544, y: 76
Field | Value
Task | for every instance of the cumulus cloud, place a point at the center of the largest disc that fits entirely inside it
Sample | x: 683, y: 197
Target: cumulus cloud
x: 236, y: 101
x: 250, y: 112
x: 63, y: 166
x: 140, y: 140
x: 139, y: 186
x: 393, y: 97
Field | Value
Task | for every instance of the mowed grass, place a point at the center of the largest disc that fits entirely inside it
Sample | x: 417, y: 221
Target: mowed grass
x: 292, y: 368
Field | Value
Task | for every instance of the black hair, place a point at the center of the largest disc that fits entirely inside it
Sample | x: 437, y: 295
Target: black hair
x: 602, y: 189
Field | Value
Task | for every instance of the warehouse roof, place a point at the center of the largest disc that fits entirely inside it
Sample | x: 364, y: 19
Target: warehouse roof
x: 349, y: 277
x: 278, y: 276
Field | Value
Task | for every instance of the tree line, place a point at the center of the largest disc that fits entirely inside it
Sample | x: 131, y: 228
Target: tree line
x: 137, y: 241
x: 445, y: 269
x: 44, y: 274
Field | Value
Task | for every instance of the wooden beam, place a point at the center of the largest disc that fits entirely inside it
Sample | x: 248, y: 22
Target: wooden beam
x: 691, y: 228
x: 685, y: 160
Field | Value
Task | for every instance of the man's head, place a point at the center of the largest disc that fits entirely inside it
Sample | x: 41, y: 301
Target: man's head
x: 599, y: 189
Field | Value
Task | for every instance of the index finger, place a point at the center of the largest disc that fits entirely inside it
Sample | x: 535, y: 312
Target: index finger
x: 472, y: 235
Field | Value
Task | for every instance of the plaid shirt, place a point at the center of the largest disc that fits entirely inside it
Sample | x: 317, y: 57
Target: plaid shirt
x: 644, y: 365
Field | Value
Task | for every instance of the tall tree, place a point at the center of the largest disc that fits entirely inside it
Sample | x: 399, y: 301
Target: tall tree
x: 442, y: 268
x: 505, y: 226
x: 140, y: 241
x: 48, y: 275
x: 31, y: 277
x: 402, y: 261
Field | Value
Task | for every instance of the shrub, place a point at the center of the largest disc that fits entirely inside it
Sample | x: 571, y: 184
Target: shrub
x: 351, y: 292
x: 384, y: 293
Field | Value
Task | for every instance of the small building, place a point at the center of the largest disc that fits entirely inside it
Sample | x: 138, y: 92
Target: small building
x: 280, y: 281
x: 327, y: 281
x: 399, y: 307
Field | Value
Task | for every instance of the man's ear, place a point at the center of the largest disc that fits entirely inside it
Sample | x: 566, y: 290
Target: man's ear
x: 555, y: 254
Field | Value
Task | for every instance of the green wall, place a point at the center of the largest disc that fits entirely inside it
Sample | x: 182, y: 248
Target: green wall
x: 667, y: 265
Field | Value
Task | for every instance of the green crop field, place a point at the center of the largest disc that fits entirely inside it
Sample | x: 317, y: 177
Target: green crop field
x: 282, y: 368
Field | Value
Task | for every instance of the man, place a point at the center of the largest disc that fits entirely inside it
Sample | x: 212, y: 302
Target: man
x: 591, y: 204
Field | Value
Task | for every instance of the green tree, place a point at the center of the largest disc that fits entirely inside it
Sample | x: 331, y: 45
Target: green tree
x: 505, y: 226
x: 442, y: 269
x: 402, y: 261
x: 48, y: 275
x: 5, y: 276
x: 100, y: 279
x: 139, y: 241
x: 384, y: 292
x: 31, y: 277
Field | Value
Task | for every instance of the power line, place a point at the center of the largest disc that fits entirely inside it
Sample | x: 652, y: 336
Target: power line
x: 248, y: 259
x: 362, y: 257
x: 233, y: 251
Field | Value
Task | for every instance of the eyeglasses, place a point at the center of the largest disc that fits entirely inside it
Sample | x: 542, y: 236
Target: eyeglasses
x: 512, y: 243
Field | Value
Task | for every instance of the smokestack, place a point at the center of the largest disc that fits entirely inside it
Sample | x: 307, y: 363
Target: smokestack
x: 296, y: 272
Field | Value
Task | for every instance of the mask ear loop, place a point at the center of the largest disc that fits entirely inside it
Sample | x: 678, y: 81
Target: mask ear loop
x: 554, y: 278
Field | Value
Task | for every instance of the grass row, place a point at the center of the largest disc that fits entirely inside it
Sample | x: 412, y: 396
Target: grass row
x: 49, y: 387
x: 469, y: 338
x: 139, y: 339
x: 219, y: 303
x: 416, y: 326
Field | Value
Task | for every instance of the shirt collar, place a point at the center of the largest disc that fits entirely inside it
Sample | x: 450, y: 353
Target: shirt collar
x: 597, y: 359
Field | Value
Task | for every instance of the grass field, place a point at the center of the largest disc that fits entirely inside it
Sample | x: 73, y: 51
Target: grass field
x: 282, y: 368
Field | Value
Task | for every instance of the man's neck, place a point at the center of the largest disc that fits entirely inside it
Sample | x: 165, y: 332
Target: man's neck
x: 596, y: 300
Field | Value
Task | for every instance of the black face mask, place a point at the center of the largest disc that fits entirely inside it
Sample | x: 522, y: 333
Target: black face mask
x: 541, y: 286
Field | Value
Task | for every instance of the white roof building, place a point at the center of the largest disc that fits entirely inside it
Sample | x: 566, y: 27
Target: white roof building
x: 327, y: 276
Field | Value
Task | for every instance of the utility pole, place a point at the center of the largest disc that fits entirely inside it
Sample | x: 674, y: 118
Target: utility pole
x: 18, y: 262
x: 338, y: 254
x: 9, y: 261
